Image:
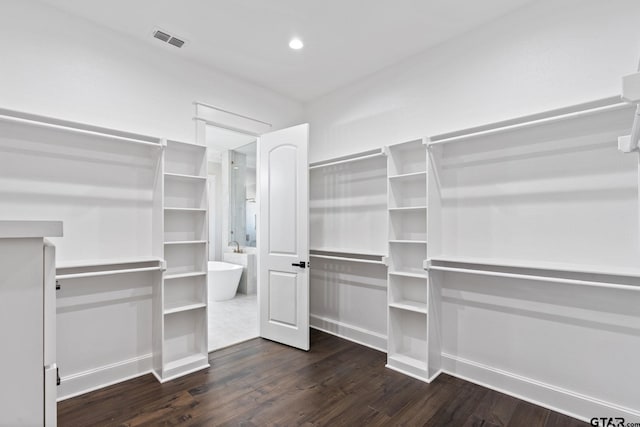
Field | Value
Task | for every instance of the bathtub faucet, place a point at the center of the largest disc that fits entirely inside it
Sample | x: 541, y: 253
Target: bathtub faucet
x: 237, y: 249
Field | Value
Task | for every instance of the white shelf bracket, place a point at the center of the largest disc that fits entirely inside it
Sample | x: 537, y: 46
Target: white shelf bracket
x: 631, y: 94
x: 385, y: 260
x: 426, y: 264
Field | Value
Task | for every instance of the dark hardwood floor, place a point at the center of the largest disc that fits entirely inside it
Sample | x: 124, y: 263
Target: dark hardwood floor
x: 336, y: 383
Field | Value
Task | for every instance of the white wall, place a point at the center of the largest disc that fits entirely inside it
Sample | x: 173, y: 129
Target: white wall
x: 548, y: 54
x: 57, y: 65
x: 62, y: 66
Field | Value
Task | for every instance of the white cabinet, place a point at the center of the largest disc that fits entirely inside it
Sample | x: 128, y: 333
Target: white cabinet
x: 27, y: 323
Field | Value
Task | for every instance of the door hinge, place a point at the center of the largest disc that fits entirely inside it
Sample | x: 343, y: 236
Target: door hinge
x: 57, y: 376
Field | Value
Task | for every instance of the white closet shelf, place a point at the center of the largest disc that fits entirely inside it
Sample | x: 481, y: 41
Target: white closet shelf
x: 183, y: 275
x: 187, y: 145
x: 417, y: 242
x: 106, y: 261
x: 186, y: 242
x: 408, y: 360
x: 349, y: 259
x: 79, y: 128
x: 408, y: 209
x: 180, y: 306
x: 549, y: 117
x: 348, y: 251
x: 538, y: 278
x: 541, y: 265
x: 106, y: 273
x: 371, y: 154
x: 176, y: 209
x: 353, y: 204
x: 185, y: 177
x: 408, y: 274
x: 107, y: 267
x: 406, y: 176
x: 415, y: 306
x: 186, y: 360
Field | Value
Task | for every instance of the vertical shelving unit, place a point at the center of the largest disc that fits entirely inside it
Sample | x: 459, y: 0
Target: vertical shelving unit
x: 408, y: 283
x: 182, y: 301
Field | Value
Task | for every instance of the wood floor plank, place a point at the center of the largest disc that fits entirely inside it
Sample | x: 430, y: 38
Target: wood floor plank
x: 494, y: 410
x: 528, y: 413
x: 336, y: 383
x: 559, y: 420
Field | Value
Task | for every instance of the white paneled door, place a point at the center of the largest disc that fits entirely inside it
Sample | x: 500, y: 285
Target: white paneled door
x: 283, y: 236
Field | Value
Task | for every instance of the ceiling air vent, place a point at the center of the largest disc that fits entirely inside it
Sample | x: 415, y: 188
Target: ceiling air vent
x: 176, y: 42
x: 168, y: 38
x: 161, y: 35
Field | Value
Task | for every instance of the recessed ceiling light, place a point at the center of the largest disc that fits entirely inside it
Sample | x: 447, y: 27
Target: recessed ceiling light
x: 296, y: 44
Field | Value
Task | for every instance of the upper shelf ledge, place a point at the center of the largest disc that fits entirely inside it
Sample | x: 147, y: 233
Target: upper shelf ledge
x: 348, y: 158
x: 35, y: 120
x: 613, y: 103
x: 30, y: 229
x: 537, y: 265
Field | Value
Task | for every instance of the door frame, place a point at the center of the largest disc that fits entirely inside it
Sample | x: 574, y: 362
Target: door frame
x: 208, y: 115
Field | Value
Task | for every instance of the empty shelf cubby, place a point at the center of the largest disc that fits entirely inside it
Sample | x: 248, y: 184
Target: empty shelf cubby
x: 408, y: 293
x: 185, y: 159
x: 185, y: 226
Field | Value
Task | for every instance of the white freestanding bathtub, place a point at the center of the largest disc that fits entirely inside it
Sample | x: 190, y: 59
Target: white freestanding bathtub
x: 223, y: 280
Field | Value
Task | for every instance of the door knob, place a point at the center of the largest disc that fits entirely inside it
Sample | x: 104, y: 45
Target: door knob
x: 300, y: 264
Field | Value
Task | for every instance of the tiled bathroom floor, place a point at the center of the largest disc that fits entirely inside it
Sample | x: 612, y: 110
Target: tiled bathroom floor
x: 232, y: 321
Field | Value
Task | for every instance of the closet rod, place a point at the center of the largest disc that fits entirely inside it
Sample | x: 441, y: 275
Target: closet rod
x: 105, y: 273
x: 349, y: 259
x: 362, y: 156
x: 537, y: 278
x: 549, y: 117
x: 69, y: 128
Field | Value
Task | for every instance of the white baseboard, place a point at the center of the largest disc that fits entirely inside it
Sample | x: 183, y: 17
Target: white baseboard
x: 103, y: 376
x: 548, y: 396
x: 352, y: 333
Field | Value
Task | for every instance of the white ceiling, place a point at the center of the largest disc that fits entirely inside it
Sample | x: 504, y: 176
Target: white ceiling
x: 344, y: 39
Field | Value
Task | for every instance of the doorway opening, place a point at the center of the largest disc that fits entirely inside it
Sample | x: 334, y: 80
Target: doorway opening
x: 232, y: 264
x: 270, y: 209
x: 232, y: 275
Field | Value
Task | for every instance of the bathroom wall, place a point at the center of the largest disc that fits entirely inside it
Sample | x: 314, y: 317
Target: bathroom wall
x: 214, y: 170
x: 237, y: 198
